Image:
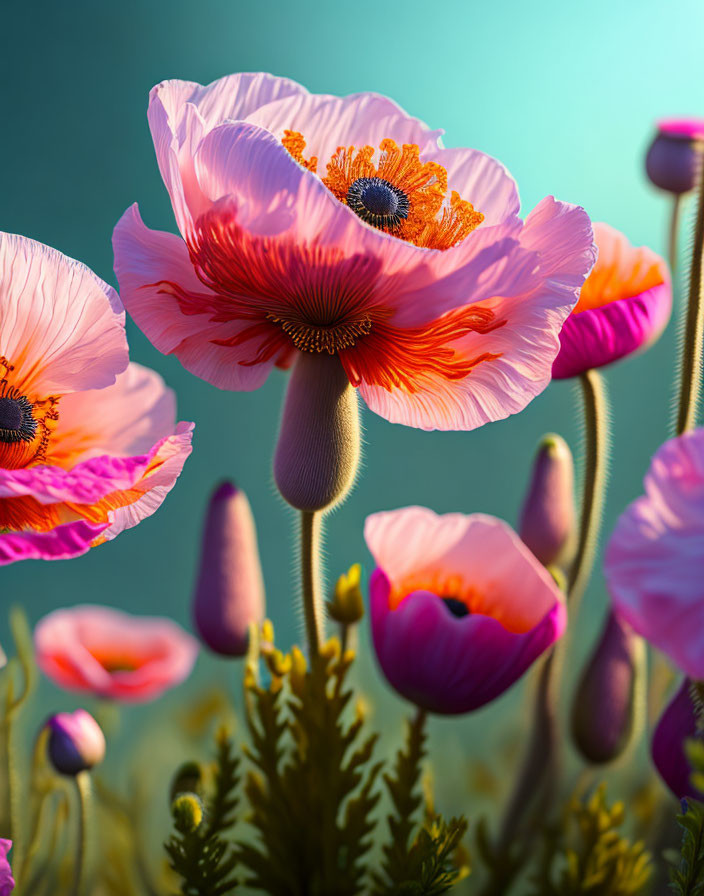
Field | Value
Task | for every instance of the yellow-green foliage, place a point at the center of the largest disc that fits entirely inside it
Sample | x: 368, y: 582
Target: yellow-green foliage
x: 687, y: 878
x: 589, y: 855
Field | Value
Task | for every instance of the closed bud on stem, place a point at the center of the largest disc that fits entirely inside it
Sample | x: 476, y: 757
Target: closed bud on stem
x: 675, y: 154
x: 347, y: 604
x: 188, y: 779
x: 187, y: 812
x: 318, y: 449
x: 678, y: 724
x: 229, y: 591
x: 608, y: 704
x: 548, y: 521
x: 76, y: 742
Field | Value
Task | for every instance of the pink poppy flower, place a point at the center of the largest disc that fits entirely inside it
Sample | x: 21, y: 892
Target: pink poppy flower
x: 460, y: 607
x: 654, y: 557
x: 624, y: 306
x: 88, y: 443
x: 7, y: 881
x: 314, y: 223
x: 113, y: 654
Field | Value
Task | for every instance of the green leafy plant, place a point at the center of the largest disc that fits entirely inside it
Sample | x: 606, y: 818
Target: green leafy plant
x: 687, y: 877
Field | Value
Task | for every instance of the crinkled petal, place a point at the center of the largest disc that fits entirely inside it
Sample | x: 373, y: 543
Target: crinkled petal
x: 60, y: 326
x: 653, y: 561
x: 62, y: 543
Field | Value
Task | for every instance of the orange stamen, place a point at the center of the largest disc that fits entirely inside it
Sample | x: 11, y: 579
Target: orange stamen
x: 295, y: 144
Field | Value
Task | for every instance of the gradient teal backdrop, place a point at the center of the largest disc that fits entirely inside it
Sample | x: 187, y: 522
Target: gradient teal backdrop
x: 564, y: 94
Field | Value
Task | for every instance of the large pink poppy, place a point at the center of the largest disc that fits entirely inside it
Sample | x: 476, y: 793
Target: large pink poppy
x: 313, y: 223
x: 89, y: 445
x: 654, y: 560
x: 460, y: 607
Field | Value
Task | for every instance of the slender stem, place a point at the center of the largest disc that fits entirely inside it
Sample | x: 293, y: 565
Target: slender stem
x: 82, y: 781
x: 673, y: 232
x: 311, y: 531
x: 14, y: 795
x: 596, y: 467
x: 691, y: 349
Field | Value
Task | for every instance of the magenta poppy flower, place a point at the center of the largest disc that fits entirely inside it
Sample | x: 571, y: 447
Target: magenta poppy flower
x: 654, y: 557
x: 674, y: 155
x: 677, y: 724
x: 113, y: 654
x: 89, y: 445
x: 7, y: 881
x: 312, y: 223
x: 624, y: 306
x: 460, y: 607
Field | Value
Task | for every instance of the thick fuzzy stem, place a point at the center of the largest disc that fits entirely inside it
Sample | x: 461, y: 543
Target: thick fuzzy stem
x: 311, y: 524
x: 318, y: 451
x: 673, y: 232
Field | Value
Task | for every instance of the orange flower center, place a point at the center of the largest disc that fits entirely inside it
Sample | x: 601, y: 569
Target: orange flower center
x: 400, y: 194
x: 25, y: 425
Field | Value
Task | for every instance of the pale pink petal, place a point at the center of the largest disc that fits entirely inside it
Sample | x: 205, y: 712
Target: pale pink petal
x: 147, y: 259
x: 125, y: 419
x: 653, y: 561
x: 60, y: 326
x: 416, y: 548
x: 560, y: 235
x: 61, y: 543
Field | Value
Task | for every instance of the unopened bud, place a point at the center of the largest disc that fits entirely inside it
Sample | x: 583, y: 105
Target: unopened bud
x: 347, y: 604
x: 675, y: 154
x: 548, y: 524
x: 677, y: 725
x: 76, y: 742
x: 318, y: 450
x: 187, y: 812
x: 188, y: 779
x: 230, y: 588
x: 607, y: 705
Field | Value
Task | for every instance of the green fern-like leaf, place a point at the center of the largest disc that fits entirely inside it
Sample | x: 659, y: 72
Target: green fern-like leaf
x: 223, y: 802
x: 311, y: 791
x: 687, y: 877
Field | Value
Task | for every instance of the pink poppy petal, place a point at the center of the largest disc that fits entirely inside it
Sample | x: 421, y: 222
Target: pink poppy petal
x: 62, y: 327
x: 481, y: 180
x: 446, y: 664
x: 62, y: 543
x: 653, y: 559
x: 124, y: 419
x: 599, y: 336
x: 144, y: 259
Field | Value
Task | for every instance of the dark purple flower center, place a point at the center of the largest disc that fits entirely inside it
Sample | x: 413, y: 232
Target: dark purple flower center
x: 456, y: 607
x: 378, y: 202
x: 17, y: 423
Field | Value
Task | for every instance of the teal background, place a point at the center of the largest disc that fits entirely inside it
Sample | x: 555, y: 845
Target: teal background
x: 564, y: 94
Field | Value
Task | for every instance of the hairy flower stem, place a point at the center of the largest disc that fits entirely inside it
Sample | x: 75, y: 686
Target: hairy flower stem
x: 673, y: 232
x: 691, y: 348
x: 82, y: 781
x: 535, y: 784
x: 311, y: 532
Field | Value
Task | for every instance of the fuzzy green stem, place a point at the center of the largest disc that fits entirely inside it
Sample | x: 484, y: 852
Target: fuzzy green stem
x: 14, y: 795
x: 673, y: 232
x: 82, y: 781
x: 311, y: 533
x: 595, y: 476
x: 691, y: 349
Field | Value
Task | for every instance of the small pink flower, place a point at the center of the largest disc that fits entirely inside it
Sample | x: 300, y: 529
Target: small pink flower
x: 112, y: 654
x: 7, y: 881
x: 229, y: 592
x: 624, y: 306
x: 313, y: 223
x: 460, y: 607
x: 76, y: 742
x: 677, y: 724
x: 88, y: 442
x: 675, y: 154
x: 654, y: 558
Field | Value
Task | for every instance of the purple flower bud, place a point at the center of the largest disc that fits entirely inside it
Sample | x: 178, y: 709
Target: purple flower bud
x: 7, y: 881
x: 674, y: 155
x: 76, y: 742
x: 317, y: 453
x: 548, y: 525
x: 229, y: 591
x: 677, y: 724
x: 608, y: 699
